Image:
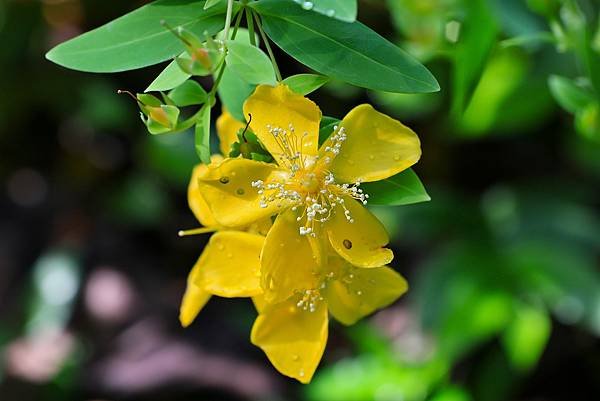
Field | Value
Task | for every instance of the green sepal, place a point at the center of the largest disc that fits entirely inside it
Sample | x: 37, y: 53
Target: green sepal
x: 235, y: 150
x: 160, y: 120
x: 192, y: 67
x: 148, y: 100
x: 261, y: 157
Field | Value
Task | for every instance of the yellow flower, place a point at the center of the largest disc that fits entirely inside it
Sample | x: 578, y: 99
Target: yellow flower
x: 293, y: 334
x: 314, y: 191
x: 229, y: 265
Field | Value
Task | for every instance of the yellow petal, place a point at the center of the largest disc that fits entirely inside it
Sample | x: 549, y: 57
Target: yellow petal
x: 377, y: 147
x: 292, y: 338
x: 195, y: 200
x: 362, y: 242
x: 288, y: 263
x: 227, y: 189
x: 359, y: 292
x: 227, y: 129
x: 259, y: 303
x: 278, y: 107
x: 230, y: 264
x: 193, y: 300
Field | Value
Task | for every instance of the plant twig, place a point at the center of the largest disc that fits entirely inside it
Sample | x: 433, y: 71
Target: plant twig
x: 269, y: 50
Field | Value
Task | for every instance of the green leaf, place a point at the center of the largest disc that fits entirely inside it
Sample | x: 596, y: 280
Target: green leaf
x: 202, y: 135
x: 326, y: 128
x: 250, y: 63
x: 526, y: 337
x: 210, y: 3
x: 404, y: 188
x: 587, y: 122
x: 137, y: 39
x: 187, y: 94
x: 591, y: 59
x: 570, y: 96
x: 171, y: 77
x: 348, y: 51
x: 344, y: 10
x: 233, y: 92
x: 305, y: 83
x: 478, y: 36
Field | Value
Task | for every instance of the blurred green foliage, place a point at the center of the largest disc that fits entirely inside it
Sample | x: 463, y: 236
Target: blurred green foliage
x: 503, y: 258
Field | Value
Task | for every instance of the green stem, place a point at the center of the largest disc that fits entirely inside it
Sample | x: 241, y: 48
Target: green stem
x: 228, y: 18
x: 213, y: 90
x: 250, y: 22
x: 269, y: 50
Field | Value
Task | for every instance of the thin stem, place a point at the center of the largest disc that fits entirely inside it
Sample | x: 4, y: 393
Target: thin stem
x: 213, y: 90
x: 250, y: 22
x: 228, y: 18
x: 269, y: 50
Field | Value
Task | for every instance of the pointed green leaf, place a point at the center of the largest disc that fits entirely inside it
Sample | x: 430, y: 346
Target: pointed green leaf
x: 478, y: 34
x: 305, y: 83
x: 250, y: 63
x: 202, y: 135
x: 211, y: 3
x: 404, y: 188
x: 350, y: 52
x: 187, y: 94
x: 137, y: 39
x: 570, y: 96
x: 171, y: 77
x: 344, y: 10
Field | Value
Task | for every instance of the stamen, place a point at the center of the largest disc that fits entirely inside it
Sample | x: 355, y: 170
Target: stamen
x: 196, y: 231
x: 309, y: 185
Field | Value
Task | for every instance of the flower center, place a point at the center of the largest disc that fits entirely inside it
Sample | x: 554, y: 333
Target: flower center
x: 308, y: 184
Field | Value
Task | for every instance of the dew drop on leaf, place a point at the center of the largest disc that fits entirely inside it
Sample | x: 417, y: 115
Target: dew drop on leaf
x: 307, y: 5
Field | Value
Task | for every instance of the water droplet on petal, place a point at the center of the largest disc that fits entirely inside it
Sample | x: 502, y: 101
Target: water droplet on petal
x: 347, y: 244
x: 371, y: 157
x: 224, y: 180
x: 240, y: 191
x: 230, y: 255
x: 397, y: 158
x: 295, y: 357
x: 301, y: 373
